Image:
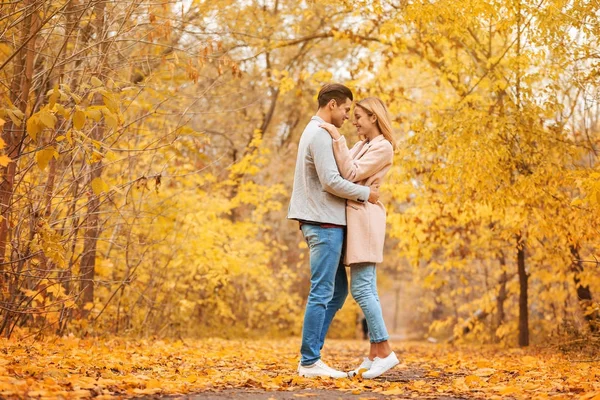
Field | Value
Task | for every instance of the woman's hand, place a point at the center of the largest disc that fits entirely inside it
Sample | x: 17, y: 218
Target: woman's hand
x: 335, y: 134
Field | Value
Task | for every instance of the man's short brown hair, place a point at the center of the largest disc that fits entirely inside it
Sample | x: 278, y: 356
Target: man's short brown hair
x: 335, y: 91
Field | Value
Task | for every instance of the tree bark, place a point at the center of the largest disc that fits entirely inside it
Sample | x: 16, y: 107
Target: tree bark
x: 584, y: 294
x: 500, y: 299
x: 13, y: 134
x: 523, y: 286
x: 92, y: 232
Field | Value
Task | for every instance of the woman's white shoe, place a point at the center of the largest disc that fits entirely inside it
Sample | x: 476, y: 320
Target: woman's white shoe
x: 381, y: 365
x: 365, y: 366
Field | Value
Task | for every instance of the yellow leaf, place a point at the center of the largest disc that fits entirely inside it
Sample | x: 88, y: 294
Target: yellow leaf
x: 60, y: 110
x: 78, y: 119
x: 109, y: 102
x: 13, y: 117
x: 53, y: 96
x: 43, y: 157
x: 99, y: 186
x: 88, y: 306
x: 4, y: 160
x: 110, y: 120
x: 33, y: 126
x: 94, y: 113
x: 47, y: 119
x: 472, y: 380
x: 147, y: 391
x: 5, y: 49
x: 507, y: 389
x: 70, y: 304
x: 29, y: 293
x: 57, y: 290
x: 96, y: 82
x: 2, y: 122
x: 484, y: 372
x: 396, y: 390
x: 76, y: 98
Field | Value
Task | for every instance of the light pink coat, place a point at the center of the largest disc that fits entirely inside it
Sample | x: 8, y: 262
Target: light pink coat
x: 365, y: 164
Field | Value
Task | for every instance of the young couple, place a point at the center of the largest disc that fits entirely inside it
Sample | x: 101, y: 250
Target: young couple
x: 335, y: 198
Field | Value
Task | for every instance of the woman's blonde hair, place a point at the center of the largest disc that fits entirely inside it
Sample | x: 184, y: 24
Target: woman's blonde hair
x: 374, y: 106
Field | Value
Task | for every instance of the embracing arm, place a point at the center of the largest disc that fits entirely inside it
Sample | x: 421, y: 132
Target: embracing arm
x: 329, y: 175
x: 376, y: 157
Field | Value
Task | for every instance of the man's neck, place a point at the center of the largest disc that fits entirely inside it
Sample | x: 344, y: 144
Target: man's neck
x: 324, y: 115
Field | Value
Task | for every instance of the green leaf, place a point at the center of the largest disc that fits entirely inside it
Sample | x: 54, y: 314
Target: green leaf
x: 99, y: 186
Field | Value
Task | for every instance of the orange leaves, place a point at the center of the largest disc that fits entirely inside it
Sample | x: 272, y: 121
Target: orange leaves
x: 75, y: 368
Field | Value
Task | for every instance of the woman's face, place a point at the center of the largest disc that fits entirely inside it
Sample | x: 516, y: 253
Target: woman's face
x: 364, y: 123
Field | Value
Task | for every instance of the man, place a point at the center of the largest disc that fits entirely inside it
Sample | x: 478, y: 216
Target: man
x: 319, y: 203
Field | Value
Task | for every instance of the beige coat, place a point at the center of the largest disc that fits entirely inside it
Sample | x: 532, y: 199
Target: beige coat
x: 366, y: 164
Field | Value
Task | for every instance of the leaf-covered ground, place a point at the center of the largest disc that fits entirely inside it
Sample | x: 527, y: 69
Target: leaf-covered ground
x: 214, y: 368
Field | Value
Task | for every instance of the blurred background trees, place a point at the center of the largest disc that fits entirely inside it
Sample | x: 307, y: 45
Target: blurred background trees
x: 149, y: 150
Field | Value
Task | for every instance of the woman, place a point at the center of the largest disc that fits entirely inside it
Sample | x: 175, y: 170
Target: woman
x: 366, y: 164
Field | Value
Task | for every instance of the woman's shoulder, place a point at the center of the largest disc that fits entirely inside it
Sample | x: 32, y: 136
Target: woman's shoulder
x: 382, y: 144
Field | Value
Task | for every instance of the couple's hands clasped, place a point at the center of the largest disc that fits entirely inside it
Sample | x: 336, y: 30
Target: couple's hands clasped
x: 335, y: 135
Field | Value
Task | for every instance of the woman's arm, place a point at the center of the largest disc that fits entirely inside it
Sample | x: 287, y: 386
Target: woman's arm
x: 375, y: 159
x: 343, y: 158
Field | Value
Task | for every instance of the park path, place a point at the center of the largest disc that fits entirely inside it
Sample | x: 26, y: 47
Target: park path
x: 69, y: 367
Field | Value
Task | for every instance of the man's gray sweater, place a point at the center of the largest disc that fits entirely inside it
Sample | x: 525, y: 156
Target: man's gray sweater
x: 319, y: 190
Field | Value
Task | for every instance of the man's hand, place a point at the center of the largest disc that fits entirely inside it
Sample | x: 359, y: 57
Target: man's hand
x: 374, y: 195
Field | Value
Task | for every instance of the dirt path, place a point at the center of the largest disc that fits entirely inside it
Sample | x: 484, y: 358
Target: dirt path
x: 402, y: 374
x: 305, y: 394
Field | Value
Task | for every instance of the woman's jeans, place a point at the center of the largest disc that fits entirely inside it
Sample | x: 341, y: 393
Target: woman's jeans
x: 328, y: 288
x: 364, y: 291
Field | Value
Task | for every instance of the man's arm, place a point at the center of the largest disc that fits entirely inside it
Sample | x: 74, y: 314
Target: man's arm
x: 332, y: 181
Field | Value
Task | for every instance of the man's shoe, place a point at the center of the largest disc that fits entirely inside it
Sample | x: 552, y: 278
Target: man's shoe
x: 381, y: 365
x: 320, y: 369
x: 364, y: 367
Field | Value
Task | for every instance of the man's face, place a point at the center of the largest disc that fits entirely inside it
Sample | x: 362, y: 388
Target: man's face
x: 340, y: 113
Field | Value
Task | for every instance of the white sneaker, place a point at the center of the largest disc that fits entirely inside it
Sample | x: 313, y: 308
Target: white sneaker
x: 381, y: 365
x: 364, y: 367
x: 320, y: 369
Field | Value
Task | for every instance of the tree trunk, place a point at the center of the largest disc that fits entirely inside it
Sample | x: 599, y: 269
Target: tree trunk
x: 523, y: 310
x: 92, y: 232
x: 12, y: 134
x: 584, y: 294
x: 500, y: 299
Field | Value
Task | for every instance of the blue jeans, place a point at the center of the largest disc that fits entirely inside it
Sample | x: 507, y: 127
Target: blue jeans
x: 364, y: 291
x: 328, y: 288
